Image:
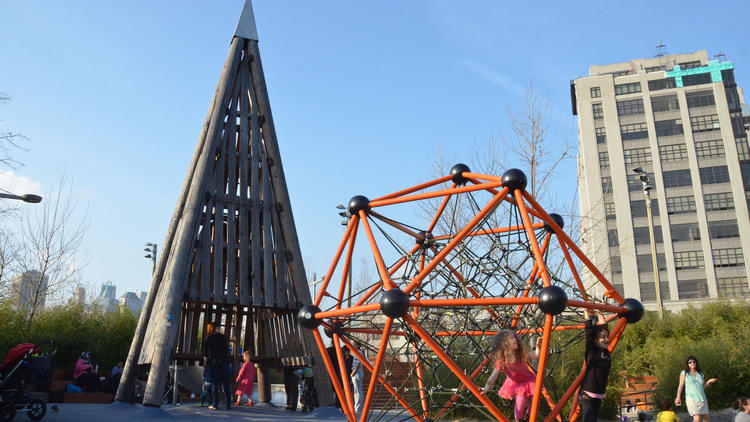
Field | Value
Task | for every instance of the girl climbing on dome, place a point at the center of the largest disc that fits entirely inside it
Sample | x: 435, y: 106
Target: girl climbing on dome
x: 598, y: 363
x: 509, y: 355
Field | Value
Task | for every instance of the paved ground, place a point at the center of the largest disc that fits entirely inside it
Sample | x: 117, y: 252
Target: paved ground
x: 74, y: 412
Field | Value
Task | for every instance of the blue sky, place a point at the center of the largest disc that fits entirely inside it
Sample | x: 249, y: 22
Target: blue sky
x: 362, y: 93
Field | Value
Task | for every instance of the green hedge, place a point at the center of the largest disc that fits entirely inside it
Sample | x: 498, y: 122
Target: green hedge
x: 107, y: 335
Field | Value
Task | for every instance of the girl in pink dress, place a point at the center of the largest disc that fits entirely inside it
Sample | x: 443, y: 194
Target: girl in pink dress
x: 245, y: 380
x: 509, y: 355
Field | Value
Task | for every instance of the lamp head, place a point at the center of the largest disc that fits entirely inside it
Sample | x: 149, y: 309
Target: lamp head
x: 639, y: 170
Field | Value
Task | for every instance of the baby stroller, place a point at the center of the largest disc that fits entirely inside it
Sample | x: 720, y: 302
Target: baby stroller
x: 26, y: 366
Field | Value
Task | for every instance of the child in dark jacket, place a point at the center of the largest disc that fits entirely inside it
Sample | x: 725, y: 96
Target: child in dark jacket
x: 598, y: 363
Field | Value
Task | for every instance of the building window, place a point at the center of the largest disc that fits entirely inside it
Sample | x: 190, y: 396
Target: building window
x: 738, y: 126
x: 665, y: 103
x: 677, y: 178
x: 646, y: 262
x: 676, y: 152
x: 668, y: 127
x: 609, y: 210
x: 723, y: 229
x: 732, y: 287
x: 648, y: 293
x: 596, y: 92
x: 612, y: 238
x: 615, y: 265
x: 685, y: 232
x: 603, y: 159
x: 711, y: 175
x: 689, y: 260
x: 680, y: 205
x: 700, y: 99
x: 733, y: 99
x: 689, y: 65
x: 601, y: 135
x: 638, y: 208
x: 692, y: 289
x: 718, y: 201
x: 659, y: 84
x: 704, y: 123
x: 731, y: 257
x: 743, y: 151
x: 630, y: 107
x: 699, y: 79
x: 630, y: 88
x: 637, y: 156
x: 598, y: 110
x: 710, y: 149
x: 606, y: 184
x: 642, y: 237
x: 621, y: 73
x: 652, y: 69
x: 633, y: 131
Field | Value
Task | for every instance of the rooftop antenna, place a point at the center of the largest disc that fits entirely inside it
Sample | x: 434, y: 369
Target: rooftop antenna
x: 719, y: 56
x: 660, y: 48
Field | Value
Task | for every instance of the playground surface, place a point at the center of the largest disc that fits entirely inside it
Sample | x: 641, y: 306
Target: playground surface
x: 188, y: 413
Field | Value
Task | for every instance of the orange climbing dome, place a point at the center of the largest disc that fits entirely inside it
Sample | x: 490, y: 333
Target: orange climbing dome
x: 457, y: 259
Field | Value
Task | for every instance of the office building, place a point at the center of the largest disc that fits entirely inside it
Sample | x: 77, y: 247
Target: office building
x: 678, y: 118
x: 30, y: 291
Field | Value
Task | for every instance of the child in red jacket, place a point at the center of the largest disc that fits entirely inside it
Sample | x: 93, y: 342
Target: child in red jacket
x: 245, y: 380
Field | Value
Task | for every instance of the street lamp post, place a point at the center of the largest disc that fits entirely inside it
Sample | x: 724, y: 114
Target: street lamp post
x: 344, y: 213
x: 28, y: 197
x: 654, y: 262
x: 151, y: 249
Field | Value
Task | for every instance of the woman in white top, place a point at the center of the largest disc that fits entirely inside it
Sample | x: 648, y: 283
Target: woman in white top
x: 695, y: 397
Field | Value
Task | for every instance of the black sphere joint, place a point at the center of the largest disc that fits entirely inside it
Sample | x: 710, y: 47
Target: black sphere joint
x: 306, y: 316
x: 425, y: 239
x: 394, y: 303
x: 557, y: 218
x: 634, y: 311
x: 331, y: 327
x: 552, y: 300
x: 358, y: 203
x: 514, y: 179
x: 457, y: 174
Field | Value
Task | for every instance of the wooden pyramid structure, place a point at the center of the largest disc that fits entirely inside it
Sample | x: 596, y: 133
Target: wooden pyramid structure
x: 231, y: 253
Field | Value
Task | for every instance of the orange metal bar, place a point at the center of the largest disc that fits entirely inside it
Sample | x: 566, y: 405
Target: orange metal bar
x: 440, y: 210
x: 395, y: 268
x: 452, y: 244
x: 381, y: 380
x: 376, y: 368
x: 433, y: 194
x: 387, y: 282
x: 394, y: 224
x: 418, y: 362
x: 337, y: 256
x: 454, y: 397
x: 453, y: 367
x: 344, y: 377
x: 600, y: 306
x: 573, y: 269
x: 347, y: 311
x: 487, y: 177
x: 561, y: 234
x: 415, y: 188
x: 532, y: 238
x: 485, y: 301
x: 347, y: 265
x: 541, y: 367
x: 526, y: 290
x: 492, y: 231
x: 331, y: 373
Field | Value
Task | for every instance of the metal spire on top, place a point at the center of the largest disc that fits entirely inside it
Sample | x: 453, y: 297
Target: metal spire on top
x: 246, y: 25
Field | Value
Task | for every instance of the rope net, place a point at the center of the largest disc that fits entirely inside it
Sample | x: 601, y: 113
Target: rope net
x: 486, y: 257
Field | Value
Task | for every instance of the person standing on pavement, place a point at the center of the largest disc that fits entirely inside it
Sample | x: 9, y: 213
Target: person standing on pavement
x: 695, y: 396
x: 216, y: 353
x: 357, y: 375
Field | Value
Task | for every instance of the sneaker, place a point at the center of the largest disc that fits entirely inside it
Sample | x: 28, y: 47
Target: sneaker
x: 249, y: 403
x: 212, y: 407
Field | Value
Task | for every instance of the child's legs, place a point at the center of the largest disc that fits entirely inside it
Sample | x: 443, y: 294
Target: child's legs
x: 519, y: 408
